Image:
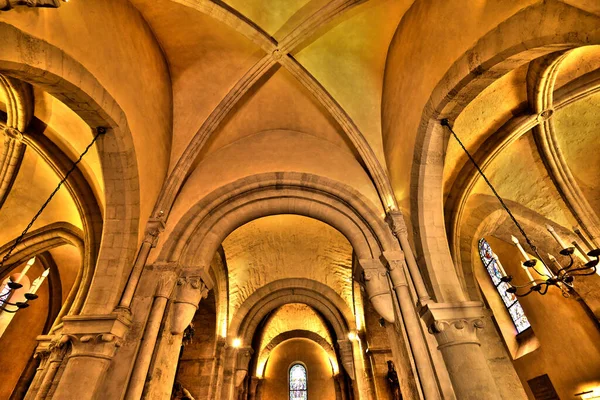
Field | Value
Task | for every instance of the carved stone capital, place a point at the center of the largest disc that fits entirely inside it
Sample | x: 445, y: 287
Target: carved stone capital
x: 395, y: 220
x: 454, y: 323
x: 378, y: 289
x: 244, y: 355
x: 396, y: 265
x: 8, y: 4
x: 154, y: 228
x: 345, y: 347
x: 13, y: 133
x: 189, y: 290
x: 96, y: 336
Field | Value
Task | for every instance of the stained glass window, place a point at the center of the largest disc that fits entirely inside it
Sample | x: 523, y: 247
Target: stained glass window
x: 494, y: 269
x: 298, y: 389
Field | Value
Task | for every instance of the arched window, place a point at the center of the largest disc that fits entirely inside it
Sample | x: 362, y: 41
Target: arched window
x: 496, y: 272
x: 298, y: 379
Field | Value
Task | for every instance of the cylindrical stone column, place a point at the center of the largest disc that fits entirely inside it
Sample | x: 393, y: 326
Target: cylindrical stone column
x: 455, y: 329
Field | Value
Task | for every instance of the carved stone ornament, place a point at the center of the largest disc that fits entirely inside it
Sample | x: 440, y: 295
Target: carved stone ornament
x: 345, y: 347
x: 454, y: 324
x: 378, y: 289
x: 243, y: 362
x: 12, y: 133
x: 396, y: 263
x: 8, y: 4
x: 96, y: 336
x: 154, y: 228
x: 189, y: 290
x: 395, y: 220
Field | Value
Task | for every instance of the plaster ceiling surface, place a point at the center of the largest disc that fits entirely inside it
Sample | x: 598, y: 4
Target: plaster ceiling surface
x: 72, y: 135
x: 206, y: 58
x: 34, y: 183
x: 286, y: 246
x: 577, y: 126
x: 291, y: 317
x: 349, y: 61
x: 578, y: 62
x: 276, y: 17
x: 518, y: 174
x: 279, y: 103
x: 482, y: 118
x: 68, y: 261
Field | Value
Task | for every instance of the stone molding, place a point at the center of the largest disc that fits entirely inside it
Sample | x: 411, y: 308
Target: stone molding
x: 454, y: 323
x: 243, y: 357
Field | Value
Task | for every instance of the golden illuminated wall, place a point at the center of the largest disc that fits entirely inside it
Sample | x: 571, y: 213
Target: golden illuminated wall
x: 286, y: 246
x: 320, y: 375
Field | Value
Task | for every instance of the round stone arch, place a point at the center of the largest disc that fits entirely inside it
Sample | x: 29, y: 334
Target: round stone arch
x: 202, y: 229
x: 37, y: 62
x: 500, y: 51
x: 317, y: 295
x: 263, y: 356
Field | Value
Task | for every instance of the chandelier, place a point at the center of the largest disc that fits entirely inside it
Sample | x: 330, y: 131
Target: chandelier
x: 542, y: 277
x: 12, y: 286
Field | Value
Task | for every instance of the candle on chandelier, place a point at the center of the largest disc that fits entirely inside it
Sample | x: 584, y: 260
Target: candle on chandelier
x: 556, y: 237
x: 585, y: 241
x: 25, y: 270
x: 38, y: 282
x: 523, y: 253
x: 555, y: 261
x: 583, y: 253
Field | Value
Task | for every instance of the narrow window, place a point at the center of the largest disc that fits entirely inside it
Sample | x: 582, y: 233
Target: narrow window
x: 298, y: 382
x: 492, y: 264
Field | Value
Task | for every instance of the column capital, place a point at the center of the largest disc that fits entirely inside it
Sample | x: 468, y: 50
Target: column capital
x: 96, y: 336
x: 12, y: 133
x: 189, y: 290
x: 378, y: 289
x: 154, y: 227
x: 395, y: 220
x: 345, y: 347
x: 454, y: 323
x: 243, y: 356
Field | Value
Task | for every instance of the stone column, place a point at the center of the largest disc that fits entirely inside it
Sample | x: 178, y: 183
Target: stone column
x: 94, y: 340
x: 217, y: 377
x: 396, y: 267
x: 189, y: 290
x: 153, y: 229
x: 454, y: 326
x: 144, y: 356
x: 255, y: 382
x: 395, y: 220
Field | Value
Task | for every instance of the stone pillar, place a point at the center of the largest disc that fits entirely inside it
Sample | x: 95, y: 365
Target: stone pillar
x: 94, y: 340
x: 396, y: 266
x: 395, y: 220
x: 144, y: 356
x: 454, y: 326
x: 255, y: 383
x: 153, y: 229
x: 189, y: 290
x: 217, y: 376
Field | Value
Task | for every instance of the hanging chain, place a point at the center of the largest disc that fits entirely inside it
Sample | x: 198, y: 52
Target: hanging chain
x: 446, y: 123
x: 99, y: 131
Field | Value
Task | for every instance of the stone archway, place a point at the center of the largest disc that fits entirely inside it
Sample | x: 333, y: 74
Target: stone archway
x: 37, y: 62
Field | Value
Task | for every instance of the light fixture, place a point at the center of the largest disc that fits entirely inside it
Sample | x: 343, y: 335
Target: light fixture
x: 237, y: 342
x: 12, y: 286
x: 563, y: 276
